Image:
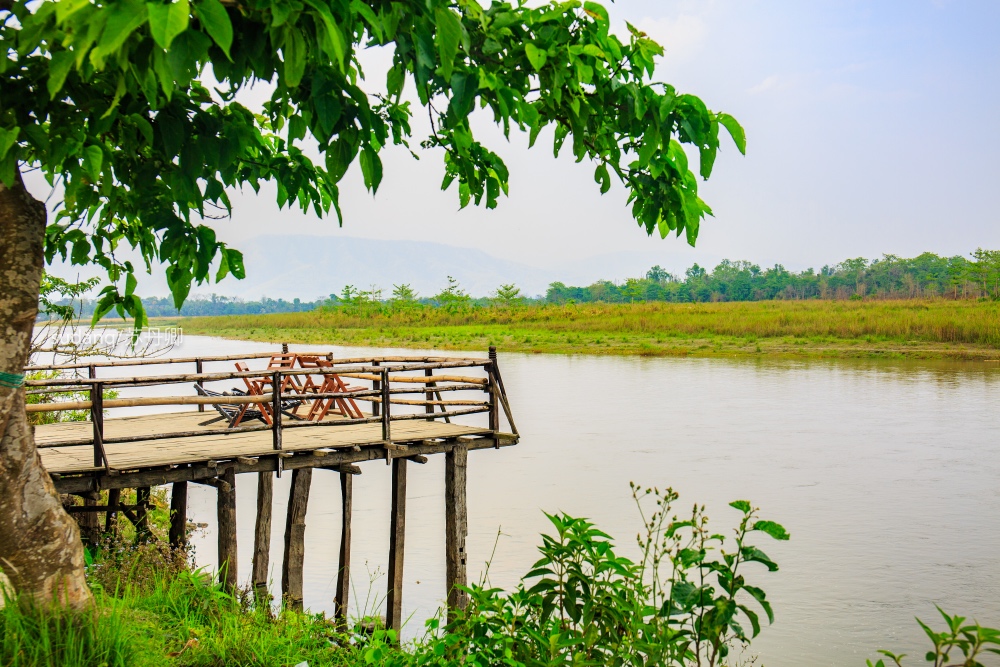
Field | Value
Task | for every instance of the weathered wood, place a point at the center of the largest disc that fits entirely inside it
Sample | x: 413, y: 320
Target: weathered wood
x: 178, y: 515
x: 199, y: 472
x: 142, y: 513
x: 376, y: 385
x: 418, y: 380
x: 226, y: 511
x: 90, y: 525
x: 143, y: 401
x: 456, y: 527
x: 199, y: 368
x: 342, y: 596
x: 295, y: 533
x: 262, y: 533
x: 111, y: 518
x: 397, y: 537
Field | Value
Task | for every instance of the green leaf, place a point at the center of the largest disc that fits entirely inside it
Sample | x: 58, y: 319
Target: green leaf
x: 294, y: 53
x: 59, y: 67
x: 166, y: 21
x: 223, y: 266
x: 601, y: 176
x: 735, y: 131
x: 215, y: 20
x: 234, y: 259
x: 366, y: 12
x: 741, y: 505
x: 447, y: 38
x: 93, y: 158
x: 536, y: 56
x: 8, y: 137
x: 371, y: 168
x: 595, y: 10
x: 775, y: 530
x: 130, y: 284
x: 331, y: 37
x: 123, y: 18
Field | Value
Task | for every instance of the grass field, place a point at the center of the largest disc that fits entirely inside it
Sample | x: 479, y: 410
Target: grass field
x: 903, y: 329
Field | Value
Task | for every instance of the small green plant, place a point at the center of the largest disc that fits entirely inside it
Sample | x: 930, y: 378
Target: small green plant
x: 970, y: 639
x: 686, y: 602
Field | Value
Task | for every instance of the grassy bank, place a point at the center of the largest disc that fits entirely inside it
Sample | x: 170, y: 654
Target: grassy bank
x: 905, y: 329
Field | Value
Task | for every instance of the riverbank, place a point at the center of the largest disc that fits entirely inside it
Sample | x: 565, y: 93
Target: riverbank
x: 911, y: 329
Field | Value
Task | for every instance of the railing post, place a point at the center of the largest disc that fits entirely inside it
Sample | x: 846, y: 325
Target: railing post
x: 494, y: 392
x: 376, y: 386
x: 276, y: 416
x: 97, y: 420
x: 429, y: 408
x: 386, y: 433
x: 199, y: 369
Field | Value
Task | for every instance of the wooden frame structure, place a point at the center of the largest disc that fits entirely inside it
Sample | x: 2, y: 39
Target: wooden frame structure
x: 86, y: 458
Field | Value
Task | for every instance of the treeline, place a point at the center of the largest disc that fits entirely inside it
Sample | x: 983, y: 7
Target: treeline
x: 212, y: 305
x: 891, y: 277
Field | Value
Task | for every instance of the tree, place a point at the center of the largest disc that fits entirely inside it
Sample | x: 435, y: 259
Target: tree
x: 106, y: 98
x: 403, y: 295
x: 506, y: 296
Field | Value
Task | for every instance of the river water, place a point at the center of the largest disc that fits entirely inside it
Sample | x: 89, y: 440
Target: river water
x: 886, y: 474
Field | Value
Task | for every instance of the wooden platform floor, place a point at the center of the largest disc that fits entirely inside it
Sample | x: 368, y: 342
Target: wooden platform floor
x: 196, y: 449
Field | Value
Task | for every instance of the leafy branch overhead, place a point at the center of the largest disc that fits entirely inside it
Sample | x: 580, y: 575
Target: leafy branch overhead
x: 109, y: 100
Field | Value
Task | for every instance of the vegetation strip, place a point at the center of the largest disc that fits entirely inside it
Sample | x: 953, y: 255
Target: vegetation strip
x: 916, y: 329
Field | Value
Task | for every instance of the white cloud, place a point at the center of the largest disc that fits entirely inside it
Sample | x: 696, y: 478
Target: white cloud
x: 768, y: 83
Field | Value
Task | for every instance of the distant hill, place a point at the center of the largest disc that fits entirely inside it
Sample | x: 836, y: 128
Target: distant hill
x: 312, y: 267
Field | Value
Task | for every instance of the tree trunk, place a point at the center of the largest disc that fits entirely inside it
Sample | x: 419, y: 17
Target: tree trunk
x: 40, y: 548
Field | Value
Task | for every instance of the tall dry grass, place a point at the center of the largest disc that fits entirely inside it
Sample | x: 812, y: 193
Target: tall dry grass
x: 929, y: 321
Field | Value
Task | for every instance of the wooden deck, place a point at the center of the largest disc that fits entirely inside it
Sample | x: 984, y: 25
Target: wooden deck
x: 215, y: 447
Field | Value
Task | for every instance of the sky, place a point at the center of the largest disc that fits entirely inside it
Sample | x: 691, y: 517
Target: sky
x: 871, y: 129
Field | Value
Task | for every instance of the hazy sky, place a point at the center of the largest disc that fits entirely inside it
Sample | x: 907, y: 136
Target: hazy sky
x: 872, y: 128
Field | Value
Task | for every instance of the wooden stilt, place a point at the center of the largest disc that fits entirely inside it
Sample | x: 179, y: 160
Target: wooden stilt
x: 226, y: 510
x: 90, y: 525
x: 344, y: 567
x: 111, y: 518
x: 262, y: 533
x: 397, y: 534
x: 142, y: 513
x: 456, y: 527
x: 295, y: 532
x: 178, y: 515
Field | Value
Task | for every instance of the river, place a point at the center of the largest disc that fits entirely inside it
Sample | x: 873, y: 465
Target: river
x: 886, y: 474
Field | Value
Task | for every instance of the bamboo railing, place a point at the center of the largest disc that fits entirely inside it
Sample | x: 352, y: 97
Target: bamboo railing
x: 387, y: 375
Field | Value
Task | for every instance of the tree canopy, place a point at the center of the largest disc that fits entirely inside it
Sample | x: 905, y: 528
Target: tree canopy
x: 109, y: 100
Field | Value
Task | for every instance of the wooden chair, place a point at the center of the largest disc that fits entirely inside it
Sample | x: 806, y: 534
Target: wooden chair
x: 330, y: 383
x: 233, y: 413
x: 255, y: 387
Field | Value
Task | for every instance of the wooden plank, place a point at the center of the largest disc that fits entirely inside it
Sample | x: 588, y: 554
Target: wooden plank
x: 456, y: 527
x: 295, y: 532
x: 178, y: 515
x: 207, y: 469
x: 262, y: 533
x: 397, y: 536
x: 226, y: 510
x: 342, y: 596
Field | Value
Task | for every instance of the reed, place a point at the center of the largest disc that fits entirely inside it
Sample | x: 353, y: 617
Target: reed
x: 917, y: 328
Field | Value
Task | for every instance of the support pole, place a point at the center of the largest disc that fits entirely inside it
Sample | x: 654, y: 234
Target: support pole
x: 397, y: 534
x: 262, y: 534
x: 226, y: 510
x: 111, y: 518
x: 142, y: 513
x: 90, y: 523
x: 178, y: 515
x: 342, y: 597
x: 295, y: 533
x: 456, y: 527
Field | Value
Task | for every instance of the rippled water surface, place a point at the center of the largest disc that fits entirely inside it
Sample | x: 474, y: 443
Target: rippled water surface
x: 887, y: 475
